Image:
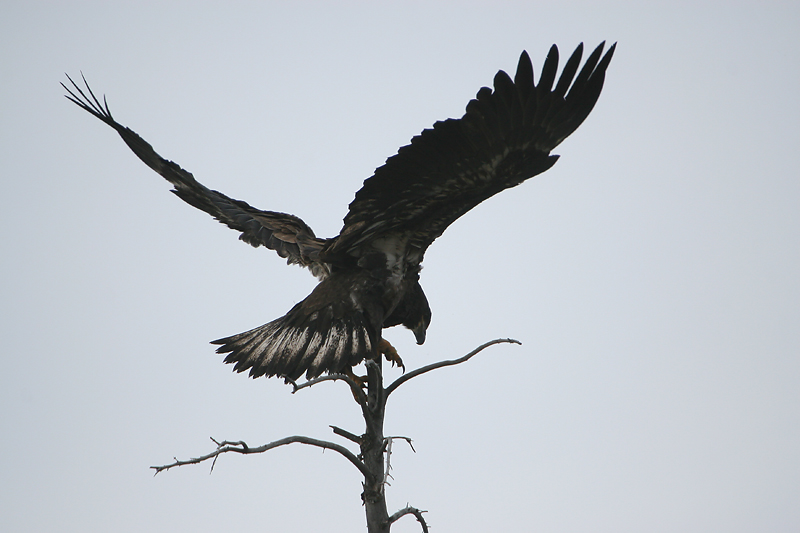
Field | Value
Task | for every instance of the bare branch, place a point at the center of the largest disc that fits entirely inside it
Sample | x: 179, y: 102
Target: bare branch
x: 407, y: 439
x: 241, y: 447
x: 357, y: 392
x: 386, y: 474
x: 422, y: 370
x: 387, y: 448
x: 346, y: 434
x: 410, y: 510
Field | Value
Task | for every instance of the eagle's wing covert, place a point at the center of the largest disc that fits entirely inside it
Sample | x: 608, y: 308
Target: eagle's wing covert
x: 504, y: 138
x: 286, y: 234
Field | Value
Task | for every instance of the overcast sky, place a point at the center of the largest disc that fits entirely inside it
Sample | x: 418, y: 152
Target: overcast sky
x: 652, y: 274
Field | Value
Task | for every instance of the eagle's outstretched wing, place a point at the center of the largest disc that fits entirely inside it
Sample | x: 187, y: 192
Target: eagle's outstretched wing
x: 286, y: 234
x: 504, y: 138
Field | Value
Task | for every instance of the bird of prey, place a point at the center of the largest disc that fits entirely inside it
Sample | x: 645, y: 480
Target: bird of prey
x: 369, y: 273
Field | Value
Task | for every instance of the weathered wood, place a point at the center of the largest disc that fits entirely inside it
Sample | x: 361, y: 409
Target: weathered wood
x: 372, y: 448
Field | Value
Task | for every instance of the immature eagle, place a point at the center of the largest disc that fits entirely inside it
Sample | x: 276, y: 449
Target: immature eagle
x: 369, y: 273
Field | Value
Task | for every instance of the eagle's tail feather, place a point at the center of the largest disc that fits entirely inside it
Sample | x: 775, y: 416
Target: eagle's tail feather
x: 295, y: 343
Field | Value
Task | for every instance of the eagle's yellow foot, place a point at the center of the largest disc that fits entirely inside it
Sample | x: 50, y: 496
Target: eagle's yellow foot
x: 390, y: 353
x: 361, y: 381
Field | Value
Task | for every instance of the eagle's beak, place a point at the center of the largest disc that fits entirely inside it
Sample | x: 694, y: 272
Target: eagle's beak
x: 419, y: 332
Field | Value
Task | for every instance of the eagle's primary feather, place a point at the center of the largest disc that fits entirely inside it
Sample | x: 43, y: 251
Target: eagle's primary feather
x: 369, y: 273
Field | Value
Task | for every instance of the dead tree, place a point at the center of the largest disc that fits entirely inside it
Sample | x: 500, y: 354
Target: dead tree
x: 373, y: 458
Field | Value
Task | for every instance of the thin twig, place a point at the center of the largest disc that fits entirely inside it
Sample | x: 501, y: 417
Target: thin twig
x: 241, y: 447
x: 433, y: 366
x: 410, y: 510
x: 388, y: 451
x: 220, y: 445
x: 407, y: 439
x: 386, y: 474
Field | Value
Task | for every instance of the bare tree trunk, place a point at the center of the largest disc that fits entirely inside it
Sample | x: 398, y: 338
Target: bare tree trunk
x: 372, y: 449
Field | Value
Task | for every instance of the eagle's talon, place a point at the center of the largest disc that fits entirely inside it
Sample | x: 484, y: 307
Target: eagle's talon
x: 390, y: 353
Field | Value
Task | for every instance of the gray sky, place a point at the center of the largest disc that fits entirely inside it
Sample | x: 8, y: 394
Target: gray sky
x: 652, y: 274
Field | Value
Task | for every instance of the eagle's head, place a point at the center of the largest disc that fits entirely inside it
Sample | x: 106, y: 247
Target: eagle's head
x: 419, y: 315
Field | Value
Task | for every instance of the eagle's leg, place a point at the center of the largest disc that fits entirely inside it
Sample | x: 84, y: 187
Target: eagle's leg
x: 390, y: 353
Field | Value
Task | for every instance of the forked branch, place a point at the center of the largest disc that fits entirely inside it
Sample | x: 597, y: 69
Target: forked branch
x: 433, y: 366
x: 241, y: 447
